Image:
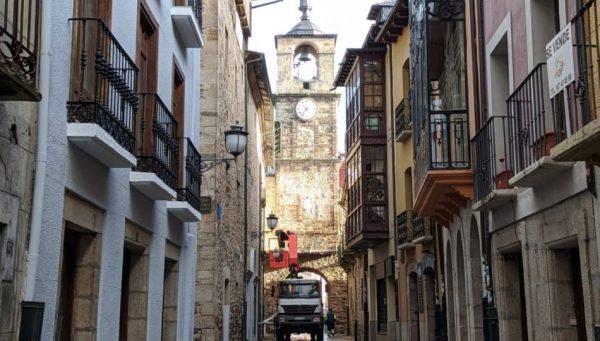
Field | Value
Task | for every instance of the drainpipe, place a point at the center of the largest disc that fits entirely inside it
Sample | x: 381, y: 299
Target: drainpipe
x: 490, y: 314
x: 393, y: 126
x: 41, y: 150
x: 246, y: 94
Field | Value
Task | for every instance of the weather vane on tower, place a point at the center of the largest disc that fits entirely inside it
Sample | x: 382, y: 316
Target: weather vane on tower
x: 304, y: 8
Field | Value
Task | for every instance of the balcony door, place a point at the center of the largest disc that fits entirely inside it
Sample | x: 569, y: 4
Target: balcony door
x: 86, y: 39
x: 178, y: 110
x: 147, y: 62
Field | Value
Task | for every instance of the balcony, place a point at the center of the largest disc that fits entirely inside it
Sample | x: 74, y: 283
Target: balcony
x: 187, y: 22
x: 366, y: 128
x: 366, y: 227
x: 443, y: 175
x: 577, y: 107
x: 156, y: 150
x: 367, y: 220
x: 493, y: 167
x: 19, y: 42
x: 422, y: 229
x: 187, y: 207
x: 403, y: 121
x: 534, y: 133
x: 103, y: 103
x: 404, y: 226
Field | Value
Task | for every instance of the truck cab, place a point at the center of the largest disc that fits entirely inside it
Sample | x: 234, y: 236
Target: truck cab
x: 299, y: 309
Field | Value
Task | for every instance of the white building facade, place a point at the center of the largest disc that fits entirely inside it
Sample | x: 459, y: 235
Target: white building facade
x: 112, y: 252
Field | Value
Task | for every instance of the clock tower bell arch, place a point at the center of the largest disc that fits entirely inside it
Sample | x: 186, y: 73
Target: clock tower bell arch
x: 304, y: 189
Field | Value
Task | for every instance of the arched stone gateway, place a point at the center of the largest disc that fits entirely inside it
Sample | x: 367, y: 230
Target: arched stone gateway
x: 325, y: 266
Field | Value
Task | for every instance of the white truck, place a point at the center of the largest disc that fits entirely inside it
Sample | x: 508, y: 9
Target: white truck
x: 299, y: 309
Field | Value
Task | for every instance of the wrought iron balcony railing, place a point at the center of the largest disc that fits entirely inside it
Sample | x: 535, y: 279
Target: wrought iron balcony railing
x: 19, y: 40
x: 190, y: 176
x: 403, y: 118
x: 422, y: 229
x: 405, y: 228
x: 582, y: 102
x: 103, y: 82
x: 443, y: 143
x: 157, y: 145
x: 493, y: 166
x: 197, y: 8
x: 534, y: 129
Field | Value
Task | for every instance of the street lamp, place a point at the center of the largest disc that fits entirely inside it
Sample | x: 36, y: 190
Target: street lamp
x: 272, y: 221
x: 236, y: 141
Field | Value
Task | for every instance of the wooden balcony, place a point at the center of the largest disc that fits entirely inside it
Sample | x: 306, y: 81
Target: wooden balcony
x: 577, y: 107
x: 19, y: 42
x: 367, y: 218
x: 443, y: 175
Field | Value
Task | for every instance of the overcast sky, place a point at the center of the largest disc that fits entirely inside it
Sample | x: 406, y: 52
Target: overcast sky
x: 346, y: 18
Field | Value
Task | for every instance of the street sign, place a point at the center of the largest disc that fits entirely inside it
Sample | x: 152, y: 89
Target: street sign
x: 559, y: 59
x: 205, y: 204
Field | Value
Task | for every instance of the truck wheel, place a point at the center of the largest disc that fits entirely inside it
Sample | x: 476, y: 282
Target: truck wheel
x: 279, y: 335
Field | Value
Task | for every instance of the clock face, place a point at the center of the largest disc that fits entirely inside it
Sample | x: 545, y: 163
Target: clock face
x: 306, y: 109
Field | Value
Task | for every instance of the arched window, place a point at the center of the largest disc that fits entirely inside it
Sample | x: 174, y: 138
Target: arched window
x: 305, y: 63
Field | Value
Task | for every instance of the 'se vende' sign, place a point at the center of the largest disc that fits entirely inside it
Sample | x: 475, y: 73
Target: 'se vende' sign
x: 559, y: 58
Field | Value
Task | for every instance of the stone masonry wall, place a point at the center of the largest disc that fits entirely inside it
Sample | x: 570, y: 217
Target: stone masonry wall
x: 17, y: 150
x: 221, y: 238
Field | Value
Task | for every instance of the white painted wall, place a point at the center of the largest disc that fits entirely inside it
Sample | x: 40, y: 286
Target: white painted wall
x: 71, y: 169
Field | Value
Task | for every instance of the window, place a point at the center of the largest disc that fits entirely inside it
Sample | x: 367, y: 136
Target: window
x: 373, y: 83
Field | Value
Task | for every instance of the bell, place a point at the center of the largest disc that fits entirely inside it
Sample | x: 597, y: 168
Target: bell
x: 304, y: 55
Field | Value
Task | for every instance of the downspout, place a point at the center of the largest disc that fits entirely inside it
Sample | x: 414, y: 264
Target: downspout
x: 41, y: 151
x: 246, y: 94
x: 393, y: 126
x: 490, y: 314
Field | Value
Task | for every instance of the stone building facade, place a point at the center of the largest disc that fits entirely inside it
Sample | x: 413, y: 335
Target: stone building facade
x: 541, y: 206
x: 228, y: 276
x: 17, y: 149
x: 304, y: 187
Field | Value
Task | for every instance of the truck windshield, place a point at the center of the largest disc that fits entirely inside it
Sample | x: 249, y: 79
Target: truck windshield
x: 305, y: 290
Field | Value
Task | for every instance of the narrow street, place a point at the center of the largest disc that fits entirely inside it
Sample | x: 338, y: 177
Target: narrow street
x: 306, y: 337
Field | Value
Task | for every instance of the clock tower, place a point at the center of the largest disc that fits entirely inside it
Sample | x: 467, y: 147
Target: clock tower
x: 304, y: 191
x: 307, y: 164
